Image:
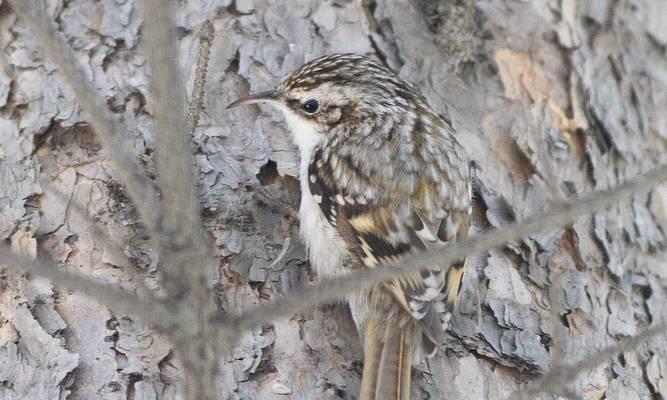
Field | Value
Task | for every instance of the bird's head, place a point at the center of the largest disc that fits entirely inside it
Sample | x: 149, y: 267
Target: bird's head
x: 337, y: 94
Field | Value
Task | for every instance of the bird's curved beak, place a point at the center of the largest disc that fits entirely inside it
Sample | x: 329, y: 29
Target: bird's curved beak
x: 269, y: 95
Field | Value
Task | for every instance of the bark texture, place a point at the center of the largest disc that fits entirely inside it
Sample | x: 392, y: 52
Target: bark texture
x: 553, y: 99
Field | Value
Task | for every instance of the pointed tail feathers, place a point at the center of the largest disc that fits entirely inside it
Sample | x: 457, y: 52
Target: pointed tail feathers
x: 387, y: 361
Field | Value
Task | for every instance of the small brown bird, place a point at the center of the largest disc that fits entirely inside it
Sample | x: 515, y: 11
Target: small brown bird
x: 382, y: 175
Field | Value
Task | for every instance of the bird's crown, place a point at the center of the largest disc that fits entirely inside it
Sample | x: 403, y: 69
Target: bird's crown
x: 355, y: 83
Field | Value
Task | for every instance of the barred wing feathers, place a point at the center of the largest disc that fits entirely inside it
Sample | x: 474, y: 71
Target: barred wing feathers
x: 378, y: 231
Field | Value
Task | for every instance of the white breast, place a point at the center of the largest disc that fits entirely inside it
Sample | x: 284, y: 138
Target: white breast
x: 326, y: 248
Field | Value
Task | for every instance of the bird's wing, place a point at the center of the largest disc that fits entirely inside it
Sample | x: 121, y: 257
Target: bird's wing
x: 381, y: 231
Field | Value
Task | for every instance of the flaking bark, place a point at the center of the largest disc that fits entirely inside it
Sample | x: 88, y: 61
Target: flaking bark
x: 552, y: 100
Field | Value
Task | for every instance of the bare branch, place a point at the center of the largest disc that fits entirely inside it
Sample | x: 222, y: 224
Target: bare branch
x: 562, y: 376
x: 179, y: 234
x: 119, y: 301
x: 184, y: 251
x: 107, y: 128
x: 561, y: 214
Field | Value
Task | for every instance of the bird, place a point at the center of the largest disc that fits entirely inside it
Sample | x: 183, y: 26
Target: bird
x: 382, y: 176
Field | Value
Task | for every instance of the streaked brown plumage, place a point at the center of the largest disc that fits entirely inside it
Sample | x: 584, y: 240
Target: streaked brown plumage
x: 382, y: 175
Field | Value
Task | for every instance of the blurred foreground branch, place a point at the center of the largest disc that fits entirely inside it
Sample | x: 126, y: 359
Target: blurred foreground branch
x: 108, y: 129
x: 556, y: 382
x: 185, y: 253
x: 561, y: 214
x: 118, y: 300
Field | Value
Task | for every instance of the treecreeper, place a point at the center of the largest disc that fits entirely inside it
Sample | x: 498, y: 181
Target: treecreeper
x: 382, y: 175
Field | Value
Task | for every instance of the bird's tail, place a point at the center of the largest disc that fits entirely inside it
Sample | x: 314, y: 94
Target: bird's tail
x: 387, y: 361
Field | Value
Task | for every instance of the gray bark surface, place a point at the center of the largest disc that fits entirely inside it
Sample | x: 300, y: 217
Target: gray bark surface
x: 552, y: 100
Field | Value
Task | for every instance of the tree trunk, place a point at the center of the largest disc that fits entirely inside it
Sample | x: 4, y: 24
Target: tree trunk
x: 552, y: 100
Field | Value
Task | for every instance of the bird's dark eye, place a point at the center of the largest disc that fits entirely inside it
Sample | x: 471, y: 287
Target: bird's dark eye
x: 311, y: 106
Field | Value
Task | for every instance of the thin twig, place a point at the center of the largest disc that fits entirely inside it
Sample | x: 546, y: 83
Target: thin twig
x: 119, y: 301
x: 562, y: 376
x: 108, y: 129
x: 561, y: 214
x: 263, y: 195
x: 99, y: 233
x: 282, y: 254
x: 205, y: 39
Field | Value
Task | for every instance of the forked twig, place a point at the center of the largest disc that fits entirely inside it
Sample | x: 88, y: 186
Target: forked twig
x: 106, y: 240
x: 108, y: 128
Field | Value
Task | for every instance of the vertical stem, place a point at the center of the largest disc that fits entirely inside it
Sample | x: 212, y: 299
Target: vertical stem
x: 186, y: 258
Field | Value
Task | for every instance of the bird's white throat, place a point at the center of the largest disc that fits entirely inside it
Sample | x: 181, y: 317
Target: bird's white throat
x: 304, y: 134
